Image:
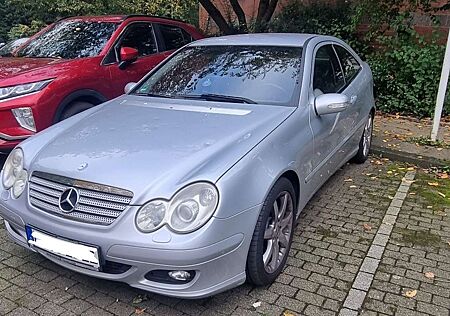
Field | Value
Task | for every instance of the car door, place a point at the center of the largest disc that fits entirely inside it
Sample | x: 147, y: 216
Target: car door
x: 140, y: 36
x: 354, y: 88
x: 328, y: 130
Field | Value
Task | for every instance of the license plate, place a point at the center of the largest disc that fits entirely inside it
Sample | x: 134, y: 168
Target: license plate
x: 70, y: 251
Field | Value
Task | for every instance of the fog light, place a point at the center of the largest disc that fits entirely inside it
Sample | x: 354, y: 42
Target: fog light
x: 180, y: 275
x: 25, y: 118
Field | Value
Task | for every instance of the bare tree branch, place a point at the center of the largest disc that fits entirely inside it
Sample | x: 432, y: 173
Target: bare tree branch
x: 240, y: 15
x: 217, y: 16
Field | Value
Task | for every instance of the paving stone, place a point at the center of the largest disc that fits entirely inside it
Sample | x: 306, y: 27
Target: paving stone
x: 363, y: 281
x: 355, y: 299
x: 370, y: 265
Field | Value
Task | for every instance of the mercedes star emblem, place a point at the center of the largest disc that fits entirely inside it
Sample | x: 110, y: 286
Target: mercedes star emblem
x: 69, y: 200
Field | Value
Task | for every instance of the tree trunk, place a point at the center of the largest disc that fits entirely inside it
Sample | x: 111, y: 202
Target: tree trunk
x: 240, y: 15
x: 218, y: 18
x: 266, y: 10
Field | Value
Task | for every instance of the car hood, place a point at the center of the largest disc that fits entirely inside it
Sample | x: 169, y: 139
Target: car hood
x: 154, y: 147
x: 13, y: 66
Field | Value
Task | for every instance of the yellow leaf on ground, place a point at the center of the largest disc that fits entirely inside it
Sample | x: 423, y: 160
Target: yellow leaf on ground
x: 348, y: 180
x: 443, y: 176
x: 411, y: 294
x: 429, y: 275
x: 442, y: 194
x: 353, y: 186
x: 429, y: 206
x: 411, y: 169
x: 287, y: 313
x: 389, y: 172
x: 433, y: 184
x: 367, y: 227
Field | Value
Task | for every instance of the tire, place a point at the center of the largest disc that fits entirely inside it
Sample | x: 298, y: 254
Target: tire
x: 262, y: 267
x: 365, y: 142
x: 75, y: 108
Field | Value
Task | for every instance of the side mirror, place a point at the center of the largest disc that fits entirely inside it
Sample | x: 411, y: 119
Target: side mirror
x: 128, y: 55
x: 331, y: 103
x: 129, y: 87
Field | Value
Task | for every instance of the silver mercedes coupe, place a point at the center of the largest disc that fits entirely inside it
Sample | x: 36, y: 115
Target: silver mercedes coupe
x: 191, y: 182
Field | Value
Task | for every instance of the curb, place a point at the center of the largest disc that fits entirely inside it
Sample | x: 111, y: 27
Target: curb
x: 421, y: 161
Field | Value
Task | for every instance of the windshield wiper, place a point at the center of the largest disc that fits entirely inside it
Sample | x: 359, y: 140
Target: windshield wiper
x: 155, y: 95
x: 217, y: 98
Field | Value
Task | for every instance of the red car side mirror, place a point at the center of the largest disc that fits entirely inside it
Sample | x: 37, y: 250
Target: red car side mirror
x: 127, y: 56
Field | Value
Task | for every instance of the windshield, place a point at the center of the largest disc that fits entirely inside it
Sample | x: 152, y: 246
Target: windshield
x: 69, y: 40
x: 6, y: 50
x: 250, y: 74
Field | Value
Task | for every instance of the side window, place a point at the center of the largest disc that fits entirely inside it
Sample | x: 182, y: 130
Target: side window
x: 174, y: 37
x: 349, y: 63
x: 139, y: 36
x: 328, y: 77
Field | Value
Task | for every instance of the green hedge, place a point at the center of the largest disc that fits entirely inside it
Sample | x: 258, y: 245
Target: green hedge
x: 406, y: 68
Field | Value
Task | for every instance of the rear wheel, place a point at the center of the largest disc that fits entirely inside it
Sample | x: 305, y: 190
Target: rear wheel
x: 273, y: 233
x: 365, y: 142
x: 75, y: 108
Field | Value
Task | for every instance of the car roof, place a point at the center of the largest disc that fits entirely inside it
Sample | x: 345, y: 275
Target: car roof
x: 121, y: 18
x: 263, y: 39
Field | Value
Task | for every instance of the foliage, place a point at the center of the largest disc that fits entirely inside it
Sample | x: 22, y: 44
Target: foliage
x: 406, y: 74
x: 22, y: 30
x: 340, y: 20
x: 406, y: 67
x: 21, y: 13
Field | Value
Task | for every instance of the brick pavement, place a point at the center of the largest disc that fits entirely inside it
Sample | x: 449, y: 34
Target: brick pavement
x: 331, y: 241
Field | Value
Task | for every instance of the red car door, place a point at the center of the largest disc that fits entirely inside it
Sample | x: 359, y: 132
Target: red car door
x: 140, y: 36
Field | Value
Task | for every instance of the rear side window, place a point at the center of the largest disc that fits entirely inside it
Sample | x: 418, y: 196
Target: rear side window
x: 328, y: 77
x: 349, y: 63
x: 174, y: 37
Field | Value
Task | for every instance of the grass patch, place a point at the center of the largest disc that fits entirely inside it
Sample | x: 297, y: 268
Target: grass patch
x: 435, y: 191
x: 426, y: 141
x: 420, y: 238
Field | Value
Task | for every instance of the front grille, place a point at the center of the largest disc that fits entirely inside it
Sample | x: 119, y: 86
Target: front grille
x: 97, y: 204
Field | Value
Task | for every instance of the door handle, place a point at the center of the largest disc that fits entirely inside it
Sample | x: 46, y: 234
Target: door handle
x: 353, y: 99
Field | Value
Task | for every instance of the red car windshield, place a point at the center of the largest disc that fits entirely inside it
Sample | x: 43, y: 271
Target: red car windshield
x: 69, y: 40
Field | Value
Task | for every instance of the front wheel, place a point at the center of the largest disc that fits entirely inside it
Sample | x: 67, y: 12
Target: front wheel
x: 365, y: 142
x: 273, y: 233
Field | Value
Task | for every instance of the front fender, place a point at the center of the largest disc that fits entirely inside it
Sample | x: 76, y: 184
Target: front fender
x: 249, y: 181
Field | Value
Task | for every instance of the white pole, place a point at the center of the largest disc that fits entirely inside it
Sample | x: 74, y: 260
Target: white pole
x: 442, y: 90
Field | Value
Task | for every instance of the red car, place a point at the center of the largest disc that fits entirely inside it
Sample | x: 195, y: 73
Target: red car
x: 77, y: 63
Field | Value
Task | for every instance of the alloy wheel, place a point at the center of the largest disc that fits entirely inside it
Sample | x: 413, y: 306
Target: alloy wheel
x: 278, y: 230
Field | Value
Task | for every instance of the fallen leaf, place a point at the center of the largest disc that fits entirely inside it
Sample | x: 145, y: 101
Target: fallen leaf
x: 139, y: 299
x: 257, y: 304
x: 429, y: 206
x: 443, y: 176
x: 439, y: 149
x: 373, y: 178
x: 429, y: 275
x: 390, y: 197
x: 139, y: 311
x: 411, y: 169
x: 287, y: 313
x: 411, y: 294
x: 348, y: 180
x: 442, y: 194
x: 412, y: 193
x: 368, y: 174
x: 433, y: 184
x: 367, y: 227
x: 66, y: 288
x: 389, y: 172
x: 353, y: 186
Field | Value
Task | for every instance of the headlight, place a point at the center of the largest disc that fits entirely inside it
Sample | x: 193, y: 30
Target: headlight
x: 14, y: 176
x: 188, y: 210
x: 23, y: 89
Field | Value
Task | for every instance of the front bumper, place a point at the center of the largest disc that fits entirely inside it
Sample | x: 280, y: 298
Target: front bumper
x: 217, y: 252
